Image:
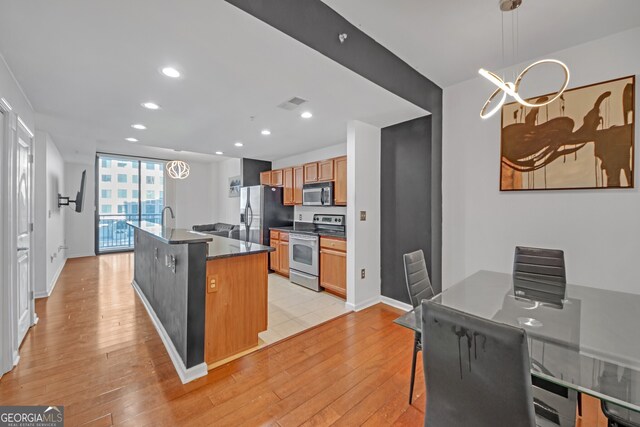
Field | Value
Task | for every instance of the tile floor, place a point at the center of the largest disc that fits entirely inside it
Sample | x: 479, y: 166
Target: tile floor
x: 293, y: 309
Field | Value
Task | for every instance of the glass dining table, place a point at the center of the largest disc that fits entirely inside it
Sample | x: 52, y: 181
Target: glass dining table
x: 588, y: 341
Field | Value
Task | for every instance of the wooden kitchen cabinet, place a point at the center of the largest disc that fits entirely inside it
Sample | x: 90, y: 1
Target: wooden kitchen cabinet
x: 287, y: 194
x: 340, y: 186
x: 298, y: 182
x: 283, y: 253
x: 265, y: 178
x: 325, y: 170
x: 279, y: 259
x: 310, y: 172
x: 274, y: 259
x: 333, y: 265
x: 276, y: 178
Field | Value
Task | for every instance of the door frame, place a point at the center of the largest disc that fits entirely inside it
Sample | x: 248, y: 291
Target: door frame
x: 6, y: 344
x: 9, y: 340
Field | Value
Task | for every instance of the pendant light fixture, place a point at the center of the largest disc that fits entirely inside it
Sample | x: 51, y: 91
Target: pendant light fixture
x: 509, y: 88
x: 177, y: 169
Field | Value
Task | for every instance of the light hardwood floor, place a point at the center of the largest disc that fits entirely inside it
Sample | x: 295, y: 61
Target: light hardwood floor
x: 96, y: 352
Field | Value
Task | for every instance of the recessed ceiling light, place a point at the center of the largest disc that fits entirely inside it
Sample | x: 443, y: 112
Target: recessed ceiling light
x: 171, y: 72
x: 219, y: 153
x: 306, y: 115
x: 266, y: 132
x: 139, y: 126
x: 131, y: 139
x: 238, y: 144
x: 151, y: 105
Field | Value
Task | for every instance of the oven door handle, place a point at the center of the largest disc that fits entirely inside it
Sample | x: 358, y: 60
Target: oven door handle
x: 305, y: 239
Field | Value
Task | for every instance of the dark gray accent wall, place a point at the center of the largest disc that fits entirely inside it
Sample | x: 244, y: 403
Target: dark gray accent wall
x: 316, y: 25
x: 405, y: 199
x: 178, y: 299
x: 250, y: 170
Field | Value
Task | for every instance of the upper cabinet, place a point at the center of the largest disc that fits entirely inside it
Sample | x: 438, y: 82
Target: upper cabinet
x: 265, y: 178
x: 293, y: 179
x: 298, y: 182
x: 311, y: 173
x: 340, y: 186
x: 287, y: 196
x: 325, y: 170
x: 276, y: 178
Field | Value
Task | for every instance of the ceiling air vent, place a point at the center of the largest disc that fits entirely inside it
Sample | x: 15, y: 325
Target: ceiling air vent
x: 292, y: 103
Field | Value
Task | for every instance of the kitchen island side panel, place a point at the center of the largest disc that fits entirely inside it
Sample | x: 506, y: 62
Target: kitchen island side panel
x: 173, y: 295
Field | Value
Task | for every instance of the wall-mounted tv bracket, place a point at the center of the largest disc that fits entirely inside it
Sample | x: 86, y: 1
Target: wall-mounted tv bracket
x: 64, y: 201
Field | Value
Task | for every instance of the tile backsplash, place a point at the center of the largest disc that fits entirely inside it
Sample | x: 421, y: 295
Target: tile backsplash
x: 305, y: 213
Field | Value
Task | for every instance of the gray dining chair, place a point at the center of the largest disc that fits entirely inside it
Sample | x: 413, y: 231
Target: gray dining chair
x: 419, y: 288
x: 617, y: 416
x: 541, y: 270
x: 477, y: 372
x: 541, y: 274
x: 617, y: 382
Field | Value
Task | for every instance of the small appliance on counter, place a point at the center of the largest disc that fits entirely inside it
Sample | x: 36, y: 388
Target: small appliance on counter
x: 319, y: 194
x: 304, y: 248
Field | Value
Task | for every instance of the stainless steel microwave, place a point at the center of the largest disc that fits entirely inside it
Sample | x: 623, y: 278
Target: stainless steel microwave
x: 320, y: 194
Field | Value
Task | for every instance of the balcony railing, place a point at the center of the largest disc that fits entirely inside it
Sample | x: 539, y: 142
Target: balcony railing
x: 114, y: 234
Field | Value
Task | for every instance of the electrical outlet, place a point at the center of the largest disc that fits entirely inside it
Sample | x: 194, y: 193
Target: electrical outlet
x: 299, y: 217
x: 363, y: 215
x: 212, y: 284
x: 362, y: 273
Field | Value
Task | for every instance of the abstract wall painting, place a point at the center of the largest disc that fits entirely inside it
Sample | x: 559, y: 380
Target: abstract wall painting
x: 584, y: 140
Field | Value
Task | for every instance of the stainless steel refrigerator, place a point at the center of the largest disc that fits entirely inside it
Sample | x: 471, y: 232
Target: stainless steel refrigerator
x: 260, y: 209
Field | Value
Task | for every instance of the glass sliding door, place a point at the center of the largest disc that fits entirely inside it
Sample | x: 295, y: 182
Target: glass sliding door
x: 127, y: 189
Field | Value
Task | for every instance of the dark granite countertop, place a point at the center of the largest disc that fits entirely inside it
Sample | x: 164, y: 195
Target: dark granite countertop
x: 171, y: 236
x: 305, y: 230
x: 223, y: 247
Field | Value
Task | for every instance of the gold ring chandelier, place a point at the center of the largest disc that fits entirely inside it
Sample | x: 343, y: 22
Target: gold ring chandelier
x: 177, y: 169
x: 511, y: 89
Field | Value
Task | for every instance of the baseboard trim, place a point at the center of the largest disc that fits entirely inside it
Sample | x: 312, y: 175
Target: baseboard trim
x: 53, y: 283
x: 395, y: 303
x: 366, y: 303
x: 186, y: 375
x: 81, y: 255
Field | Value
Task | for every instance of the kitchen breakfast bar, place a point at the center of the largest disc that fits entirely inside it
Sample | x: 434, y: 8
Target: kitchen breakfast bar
x: 206, y: 295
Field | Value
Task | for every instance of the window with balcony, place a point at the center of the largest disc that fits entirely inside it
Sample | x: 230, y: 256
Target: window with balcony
x: 143, y: 202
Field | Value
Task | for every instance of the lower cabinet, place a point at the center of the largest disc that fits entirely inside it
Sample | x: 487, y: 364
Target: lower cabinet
x: 279, y: 259
x: 333, y: 265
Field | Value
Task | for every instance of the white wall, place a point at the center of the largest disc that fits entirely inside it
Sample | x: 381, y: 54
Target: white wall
x: 363, y: 194
x: 192, y: 201
x: 228, y: 208
x: 79, y: 227
x: 55, y: 217
x: 599, y: 230
x: 49, y: 224
x: 311, y: 156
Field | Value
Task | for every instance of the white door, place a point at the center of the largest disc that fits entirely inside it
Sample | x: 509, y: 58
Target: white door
x: 23, y: 232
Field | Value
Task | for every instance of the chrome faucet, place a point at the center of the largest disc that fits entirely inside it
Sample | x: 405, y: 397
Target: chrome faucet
x: 170, y: 211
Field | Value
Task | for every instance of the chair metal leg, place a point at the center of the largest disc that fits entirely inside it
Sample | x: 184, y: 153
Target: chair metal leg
x: 416, y: 348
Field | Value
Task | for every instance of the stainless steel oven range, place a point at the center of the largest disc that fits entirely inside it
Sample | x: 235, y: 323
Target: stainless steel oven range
x: 304, y: 249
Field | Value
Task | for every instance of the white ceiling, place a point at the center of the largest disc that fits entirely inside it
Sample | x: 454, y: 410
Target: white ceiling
x: 87, y: 65
x: 448, y: 40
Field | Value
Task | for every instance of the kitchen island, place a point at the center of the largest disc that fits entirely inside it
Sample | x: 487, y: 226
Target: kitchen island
x: 206, y: 295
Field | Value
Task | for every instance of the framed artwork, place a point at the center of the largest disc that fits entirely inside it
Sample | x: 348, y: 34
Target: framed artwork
x: 234, y: 186
x: 583, y: 140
